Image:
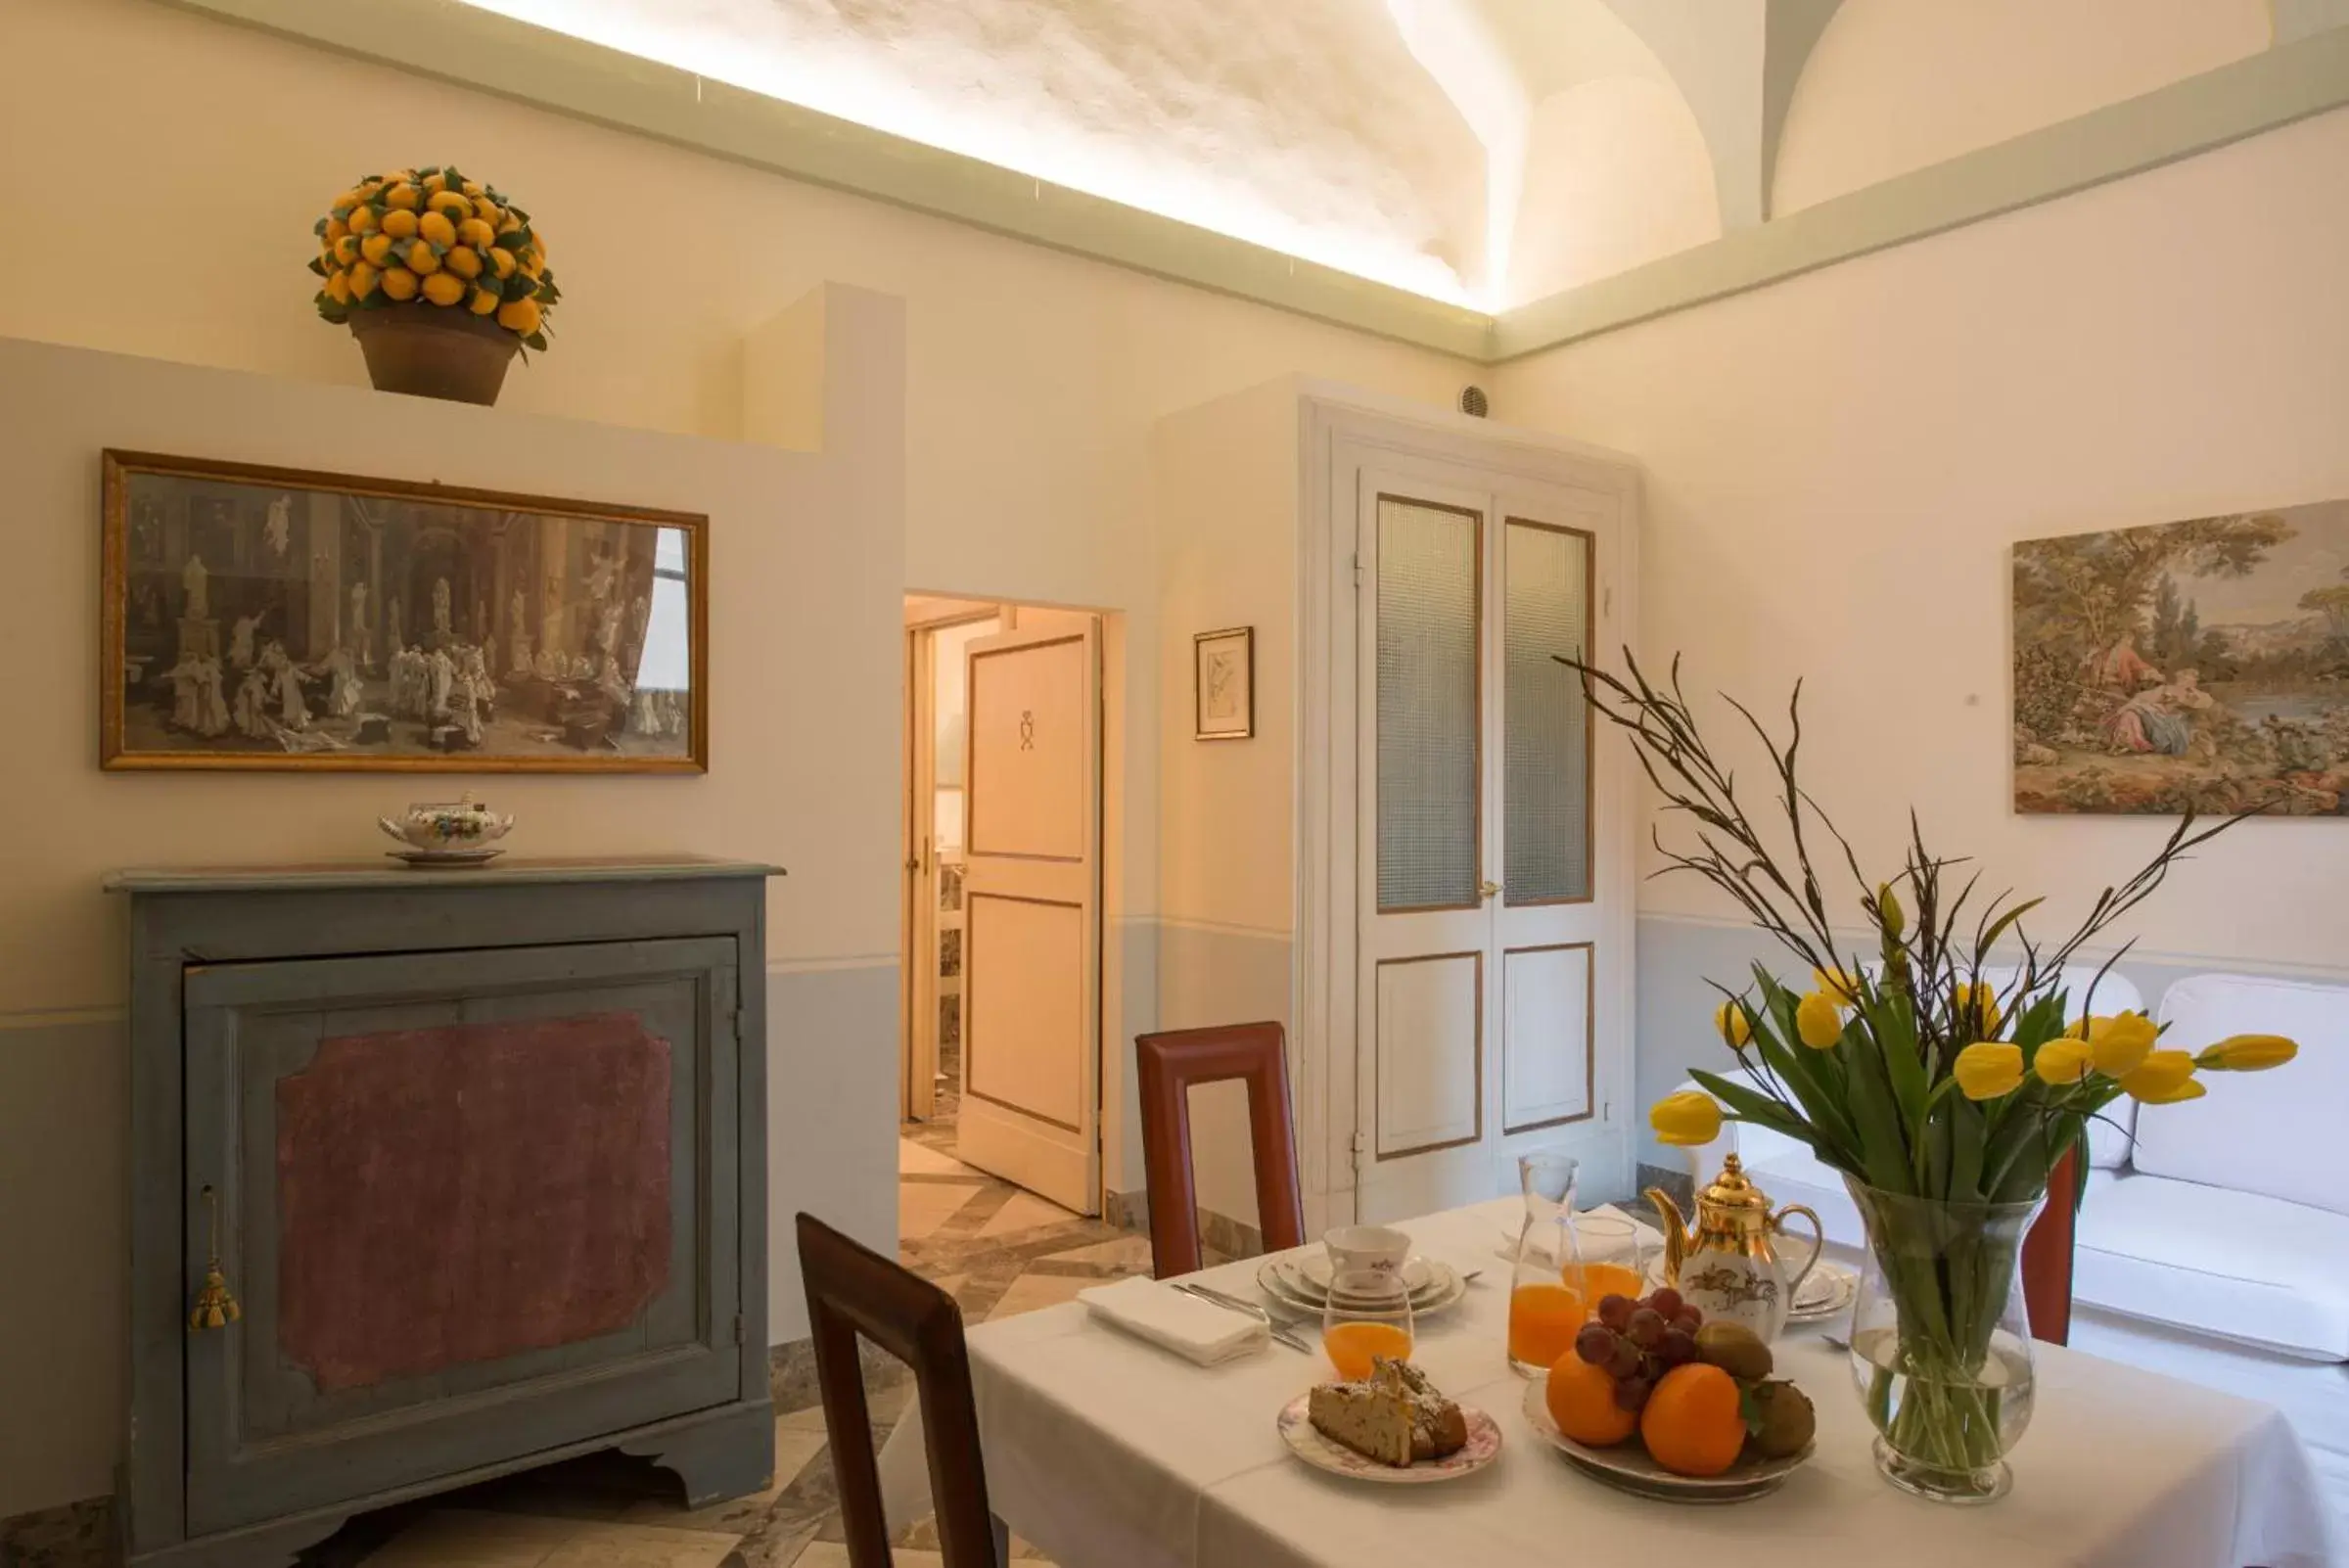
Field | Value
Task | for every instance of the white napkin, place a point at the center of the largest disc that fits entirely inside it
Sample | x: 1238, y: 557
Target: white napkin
x: 1191, y: 1328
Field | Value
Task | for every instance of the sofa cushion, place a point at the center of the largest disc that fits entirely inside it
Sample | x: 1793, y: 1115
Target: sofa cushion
x: 2234, y: 1264
x: 2261, y: 1133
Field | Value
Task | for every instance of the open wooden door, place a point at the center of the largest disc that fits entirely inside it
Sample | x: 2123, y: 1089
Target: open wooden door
x: 1032, y: 907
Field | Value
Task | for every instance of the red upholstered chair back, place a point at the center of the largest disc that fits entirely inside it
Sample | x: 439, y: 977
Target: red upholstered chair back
x: 1169, y: 1064
x: 2048, y: 1256
x: 852, y: 1290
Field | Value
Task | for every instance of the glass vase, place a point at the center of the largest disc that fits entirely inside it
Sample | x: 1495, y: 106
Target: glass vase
x: 1546, y: 1310
x: 1941, y: 1345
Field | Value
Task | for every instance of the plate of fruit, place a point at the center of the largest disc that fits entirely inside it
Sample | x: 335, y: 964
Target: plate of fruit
x: 1655, y: 1401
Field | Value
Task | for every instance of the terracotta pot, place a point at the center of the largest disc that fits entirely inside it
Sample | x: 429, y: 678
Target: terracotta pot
x: 429, y: 350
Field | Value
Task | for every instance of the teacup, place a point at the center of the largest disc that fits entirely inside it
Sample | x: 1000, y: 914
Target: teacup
x: 1377, y: 1249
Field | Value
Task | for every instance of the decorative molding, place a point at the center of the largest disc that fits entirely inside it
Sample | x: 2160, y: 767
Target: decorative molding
x: 2305, y: 73
x: 2260, y: 93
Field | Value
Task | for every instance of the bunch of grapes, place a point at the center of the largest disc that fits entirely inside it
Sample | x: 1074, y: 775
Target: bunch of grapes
x: 1638, y: 1342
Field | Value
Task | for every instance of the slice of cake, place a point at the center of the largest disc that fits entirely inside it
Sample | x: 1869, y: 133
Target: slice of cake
x: 1395, y: 1415
x: 1438, y: 1428
x: 1367, y: 1417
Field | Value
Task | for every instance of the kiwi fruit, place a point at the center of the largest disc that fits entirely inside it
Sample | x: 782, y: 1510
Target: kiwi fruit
x: 1735, y: 1348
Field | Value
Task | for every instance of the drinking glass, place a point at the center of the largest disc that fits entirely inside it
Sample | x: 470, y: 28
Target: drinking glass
x: 1613, y: 1261
x: 1545, y: 1310
x: 1368, y: 1314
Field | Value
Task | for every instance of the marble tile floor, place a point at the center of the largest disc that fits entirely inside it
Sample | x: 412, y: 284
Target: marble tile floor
x: 998, y: 1250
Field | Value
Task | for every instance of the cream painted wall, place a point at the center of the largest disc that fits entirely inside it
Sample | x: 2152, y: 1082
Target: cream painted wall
x: 1837, y: 466
x: 1226, y: 499
x: 1894, y: 85
x: 807, y: 572
x: 1616, y: 173
x: 1032, y: 377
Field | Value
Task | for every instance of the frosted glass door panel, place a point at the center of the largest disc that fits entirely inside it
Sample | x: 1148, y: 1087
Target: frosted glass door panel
x: 1428, y: 767
x: 1545, y: 721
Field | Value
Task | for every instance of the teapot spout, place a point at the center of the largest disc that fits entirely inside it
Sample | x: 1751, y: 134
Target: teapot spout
x: 1676, y: 1240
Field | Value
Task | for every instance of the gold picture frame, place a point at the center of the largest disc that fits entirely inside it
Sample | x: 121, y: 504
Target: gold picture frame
x: 347, y: 623
x: 1223, y: 684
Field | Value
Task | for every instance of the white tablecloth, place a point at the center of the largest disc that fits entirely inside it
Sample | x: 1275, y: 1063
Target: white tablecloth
x: 1108, y: 1453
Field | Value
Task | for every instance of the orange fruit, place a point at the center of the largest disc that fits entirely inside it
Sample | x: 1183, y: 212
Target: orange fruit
x: 1581, y: 1401
x: 1691, y: 1425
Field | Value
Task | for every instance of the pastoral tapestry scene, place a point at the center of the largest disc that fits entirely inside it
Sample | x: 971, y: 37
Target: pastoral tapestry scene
x: 286, y: 622
x: 2199, y: 664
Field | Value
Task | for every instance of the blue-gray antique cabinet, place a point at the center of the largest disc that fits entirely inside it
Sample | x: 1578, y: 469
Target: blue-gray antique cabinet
x: 435, y: 1175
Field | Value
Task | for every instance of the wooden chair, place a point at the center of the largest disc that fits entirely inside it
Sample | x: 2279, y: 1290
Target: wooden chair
x: 1169, y: 1064
x: 2048, y: 1256
x: 854, y: 1290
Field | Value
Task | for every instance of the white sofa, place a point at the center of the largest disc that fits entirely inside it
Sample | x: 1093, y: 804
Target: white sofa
x: 2213, y: 1242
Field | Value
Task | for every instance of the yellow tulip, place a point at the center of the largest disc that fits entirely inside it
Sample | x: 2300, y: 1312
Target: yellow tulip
x: 1690, y: 1119
x: 1736, y: 1028
x: 2247, y: 1053
x: 2118, y: 1043
x: 1970, y: 995
x: 1988, y: 1069
x: 1837, y: 985
x: 1818, y: 1022
x: 2161, y: 1078
x: 2061, y: 1062
x: 2190, y: 1089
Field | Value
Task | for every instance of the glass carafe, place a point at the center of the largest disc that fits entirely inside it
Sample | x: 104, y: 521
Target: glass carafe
x: 1545, y: 1309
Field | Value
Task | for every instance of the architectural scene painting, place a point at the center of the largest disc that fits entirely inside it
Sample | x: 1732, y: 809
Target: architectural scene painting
x: 2199, y: 664
x: 261, y: 618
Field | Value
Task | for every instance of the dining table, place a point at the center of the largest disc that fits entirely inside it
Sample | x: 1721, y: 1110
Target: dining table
x: 1108, y: 1451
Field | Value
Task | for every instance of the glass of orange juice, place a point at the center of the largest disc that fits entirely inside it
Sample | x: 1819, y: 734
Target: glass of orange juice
x: 1368, y: 1314
x: 1611, y: 1261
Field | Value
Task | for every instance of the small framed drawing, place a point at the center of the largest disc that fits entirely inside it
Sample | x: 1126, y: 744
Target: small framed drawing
x: 280, y: 618
x: 1224, y: 691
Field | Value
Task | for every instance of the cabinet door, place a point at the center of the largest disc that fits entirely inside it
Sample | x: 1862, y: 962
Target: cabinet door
x: 472, y: 1204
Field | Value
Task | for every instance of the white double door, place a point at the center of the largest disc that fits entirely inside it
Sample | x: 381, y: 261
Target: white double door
x: 1491, y: 869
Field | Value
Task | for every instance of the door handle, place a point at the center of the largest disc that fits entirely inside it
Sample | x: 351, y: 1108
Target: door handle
x: 1487, y: 890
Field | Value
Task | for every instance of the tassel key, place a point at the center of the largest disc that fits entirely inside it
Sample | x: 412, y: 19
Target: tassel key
x: 215, y: 1307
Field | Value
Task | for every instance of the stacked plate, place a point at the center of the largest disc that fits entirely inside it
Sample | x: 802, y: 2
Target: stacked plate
x: 1301, y: 1279
x: 1826, y: 1291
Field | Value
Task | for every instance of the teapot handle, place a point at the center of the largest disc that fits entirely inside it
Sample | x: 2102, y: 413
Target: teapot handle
x: 391, y: 831
x: 1818, y: 1243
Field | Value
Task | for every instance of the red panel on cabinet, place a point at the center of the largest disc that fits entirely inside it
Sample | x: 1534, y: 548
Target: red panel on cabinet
x: 468, y: 1192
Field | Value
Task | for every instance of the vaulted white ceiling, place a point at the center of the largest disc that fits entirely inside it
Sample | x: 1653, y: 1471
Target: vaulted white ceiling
x: 1483, y: 151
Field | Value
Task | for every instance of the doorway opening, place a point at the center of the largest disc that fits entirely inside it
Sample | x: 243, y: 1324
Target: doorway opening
x: 1000, y: 1049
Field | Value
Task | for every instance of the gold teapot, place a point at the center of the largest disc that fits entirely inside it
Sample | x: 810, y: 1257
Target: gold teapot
x: 1727, y: 1267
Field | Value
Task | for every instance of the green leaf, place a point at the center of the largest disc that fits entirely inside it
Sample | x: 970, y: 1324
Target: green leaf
x: 1752, y: 1105
x: 319, y: 228
x: 516, y: 286
x: 519, y: 213
x: 424, y: 174
x: 318, y: 266
x: 1749, y: 1407
x: 537, y: 341
x: 544, y: 295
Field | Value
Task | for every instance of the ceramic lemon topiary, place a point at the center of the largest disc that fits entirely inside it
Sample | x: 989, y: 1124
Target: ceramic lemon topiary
x: 440, y: 278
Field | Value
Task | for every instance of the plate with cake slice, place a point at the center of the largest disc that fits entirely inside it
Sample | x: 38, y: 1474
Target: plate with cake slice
x: 1392, y: 1427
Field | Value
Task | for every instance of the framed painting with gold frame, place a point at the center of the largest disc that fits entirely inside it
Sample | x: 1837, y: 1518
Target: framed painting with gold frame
x: 270, y: 618
x: 1223, y: 684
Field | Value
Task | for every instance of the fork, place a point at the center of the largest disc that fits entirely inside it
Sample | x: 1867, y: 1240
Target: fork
x: 1278, y: 1330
